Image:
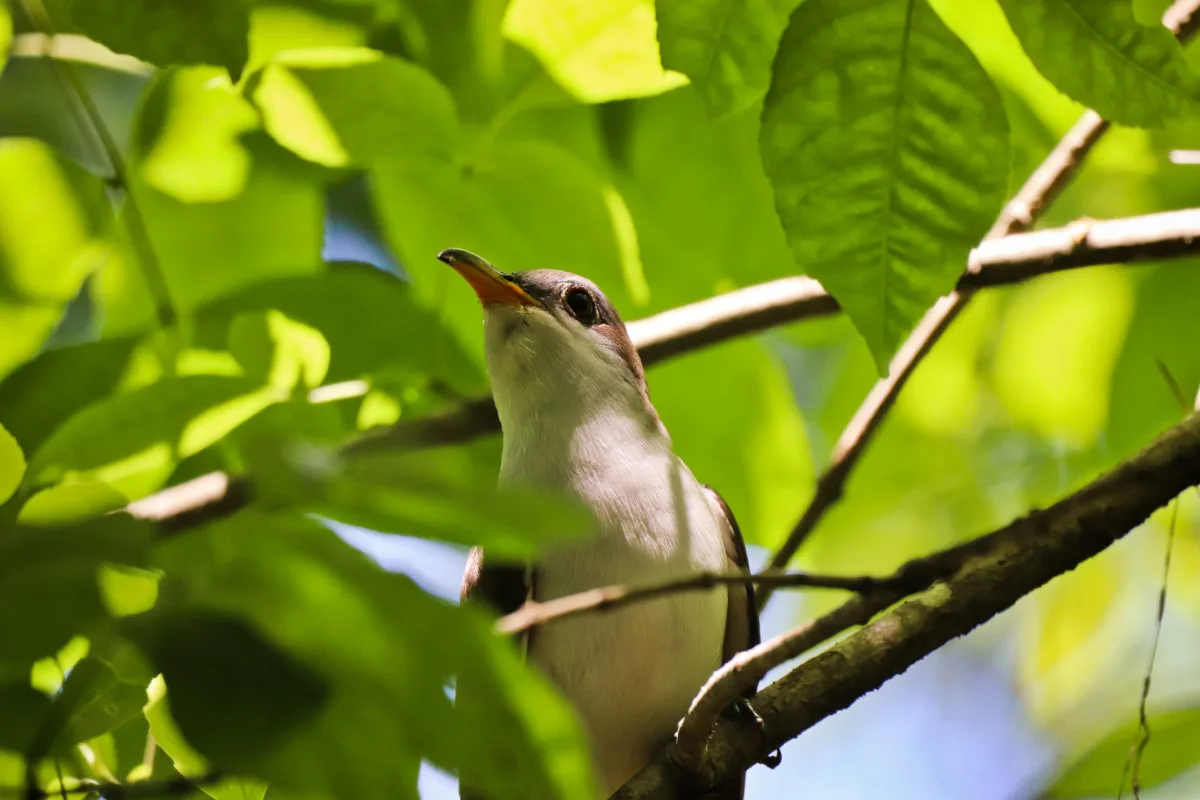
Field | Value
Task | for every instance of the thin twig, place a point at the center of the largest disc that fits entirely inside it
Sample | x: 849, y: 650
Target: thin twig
x: 991, y: 574
x: 606, y: 598
x: 1025, y: 208
x: 117, y: 791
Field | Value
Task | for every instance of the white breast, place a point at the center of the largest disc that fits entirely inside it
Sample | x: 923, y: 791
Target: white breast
x: 631, y: 672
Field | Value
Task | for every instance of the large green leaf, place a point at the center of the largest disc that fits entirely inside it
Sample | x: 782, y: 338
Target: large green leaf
x: 192, y: 121
x: 51, y: 572
x: 48, y: 224
x: 446, y: 494
x: 724, y: 46
x: 40, y: 394
x: 1173, y: 747
x: 12, y: 464
x: 341, y: 106
x: 1098, y: 54
x: 385, y: 648
x: 179, y: 32
x: 887, y: 146
x: 373, y: 321
x: 236, y: 695
x: 599, y: 51
x: 132, y: 440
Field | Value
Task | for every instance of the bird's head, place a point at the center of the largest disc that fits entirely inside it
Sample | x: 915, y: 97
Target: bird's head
x: 551, y: 336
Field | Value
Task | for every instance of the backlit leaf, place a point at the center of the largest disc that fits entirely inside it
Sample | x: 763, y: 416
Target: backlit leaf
x: 54, y: 569
x: 1100, y: 56
x: 887, y: 147
x: 12, y: 464
x: 724, y: 46
x: 599, y: 51
x: 338, y: 106
x: 1174, y: 743
x: 66, y: 503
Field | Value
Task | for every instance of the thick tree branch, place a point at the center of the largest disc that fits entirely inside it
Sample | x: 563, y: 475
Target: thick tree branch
x: 1030, y: 202
x: 993, y: 573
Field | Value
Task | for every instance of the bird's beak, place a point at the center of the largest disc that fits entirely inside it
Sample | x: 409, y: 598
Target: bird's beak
x: 489, y: 283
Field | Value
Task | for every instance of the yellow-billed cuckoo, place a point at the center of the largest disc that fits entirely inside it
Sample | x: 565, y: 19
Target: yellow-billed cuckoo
x: 577, y: 419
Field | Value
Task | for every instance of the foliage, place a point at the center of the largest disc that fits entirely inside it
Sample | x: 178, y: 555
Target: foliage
x: 173, y: 301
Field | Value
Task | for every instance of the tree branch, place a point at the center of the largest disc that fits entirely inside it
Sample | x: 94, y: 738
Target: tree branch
x: 1030, y: 202
x: 1009, y: 260
x: 992, y: 573
x: 606, y: 598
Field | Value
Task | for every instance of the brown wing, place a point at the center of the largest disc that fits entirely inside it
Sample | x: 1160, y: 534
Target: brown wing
x: 741, y: 623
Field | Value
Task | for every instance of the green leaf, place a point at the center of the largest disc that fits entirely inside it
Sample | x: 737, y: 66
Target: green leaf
x: 132, y: 440
x: 194, y: 153
x: 101, y: 693
x: 48, y: 220
x: 724, y: 46
x: 271, y: 229
x: 598, y: 51
x: 22, y: 710
x: 445, y: 494
x: 40, y: 394
x: 279, y: 351
x: 887, y: 147
x: 1099, y: 55
x: 12, y: 464
x: 386, y: 648
x: 1174, y: 742
x: 188, y: 761
x: 342, y: 106
x: 54, y: 570
x: 236, y: 696
x: 5, y: 34
x: 179, y: 32
x: 68, y: 503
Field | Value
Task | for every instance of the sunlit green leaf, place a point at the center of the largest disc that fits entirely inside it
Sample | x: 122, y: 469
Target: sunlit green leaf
x: 102, y: 692
x: 181, y: 32
x: 1099, y: 55
x: 48, y: 222
x: 91, y: 370
x: 128, y: 590
x: 280, y: 351
x: 386, y: 647
x: 12, y: 464
x: 66, y: 503
x: 599, y: 51
x: 1175, y: 737
x: 132, y: 440
x: 887, y: 146
x: 724, y: 46
x: 195, y: 155
x: 5, y: 34
x: 54, y: 569
x: 340, y: 106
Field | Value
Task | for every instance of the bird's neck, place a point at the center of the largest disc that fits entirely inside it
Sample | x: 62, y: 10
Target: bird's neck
x: 558, y: 436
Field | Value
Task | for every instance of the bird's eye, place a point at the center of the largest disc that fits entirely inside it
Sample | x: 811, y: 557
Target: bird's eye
x: 580, y: 305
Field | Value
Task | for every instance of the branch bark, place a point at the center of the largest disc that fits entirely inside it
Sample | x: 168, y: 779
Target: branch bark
x: 1025, y: 208
x: 994, y: 572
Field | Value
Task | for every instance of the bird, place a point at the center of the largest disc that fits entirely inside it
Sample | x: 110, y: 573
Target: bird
x: 575, y: 413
